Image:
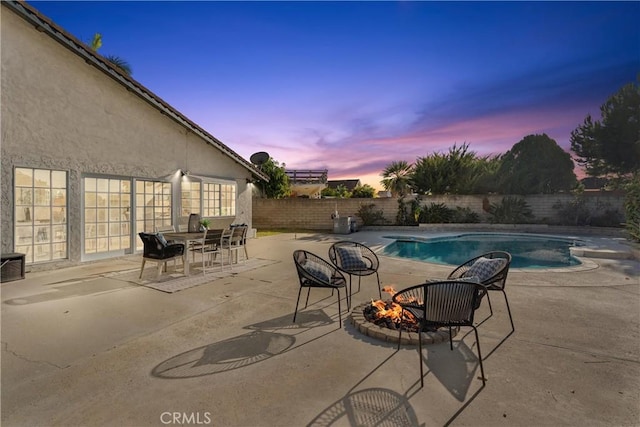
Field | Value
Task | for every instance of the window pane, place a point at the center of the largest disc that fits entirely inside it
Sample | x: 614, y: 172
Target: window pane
x: 23, y: 215
x: 59, y: 233
x: 115, y: 214
x: 125, y: 242
x: 102, y: 199
x: 42, y: 178
x: 59, y: 251
x: 90, y: 200
x: 102, y: 185
x: 101, y: 230
x: 42, y: 253
x: 43, y: 234
x: 59, y: 215
x: 24, y: 236
x: 114, y: 200
x: 90, y: 215
x: 42, y: 215
x: 23, y: 196
x: 59, y: 197
x: 114, y: 243
x: 89, y: 231
x: 24, y: 177
x: 58, y: 179
x: 154, y: 207
x: 90, y: 184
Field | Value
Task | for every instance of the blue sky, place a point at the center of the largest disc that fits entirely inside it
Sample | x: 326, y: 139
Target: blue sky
x: 353, y: 86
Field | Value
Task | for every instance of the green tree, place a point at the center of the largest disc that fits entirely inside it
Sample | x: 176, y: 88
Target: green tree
x: 120, y: 63
x: 339, y: 191
x: 536, y: 164
x: 363, y: 191
x: 450, y: 173
x: 612, y: 145
x: 96, y: 43
x: 329, y: 192
x: 483, y: 175
x: 632, y: 207
x: 278, y: 185
x: 396, y: 178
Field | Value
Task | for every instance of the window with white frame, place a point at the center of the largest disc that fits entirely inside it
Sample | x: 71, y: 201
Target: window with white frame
x: 219, y: 199
x: 40, y: 214
x: 190, y: 199
x: 107, y: 215
x: 209, y: 199
x: 153, y: 207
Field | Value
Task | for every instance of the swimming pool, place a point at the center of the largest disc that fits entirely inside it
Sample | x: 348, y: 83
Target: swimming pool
x: 527, y: 251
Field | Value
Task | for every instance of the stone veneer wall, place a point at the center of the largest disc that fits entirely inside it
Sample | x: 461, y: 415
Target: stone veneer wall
x: 315, y: 214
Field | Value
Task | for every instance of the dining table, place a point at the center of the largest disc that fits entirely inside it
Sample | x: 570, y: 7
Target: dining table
x: 187, y: 238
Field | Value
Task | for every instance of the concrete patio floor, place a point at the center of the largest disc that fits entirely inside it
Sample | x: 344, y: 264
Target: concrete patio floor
x: 81, y: 348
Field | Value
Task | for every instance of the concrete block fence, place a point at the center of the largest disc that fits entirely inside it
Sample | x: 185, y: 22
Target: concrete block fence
x: 315, y: 214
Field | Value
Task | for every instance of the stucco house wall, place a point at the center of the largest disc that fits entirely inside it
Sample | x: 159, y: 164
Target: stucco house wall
x: 60, y: 112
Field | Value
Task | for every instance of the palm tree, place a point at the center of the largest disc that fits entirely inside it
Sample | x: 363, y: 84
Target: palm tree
x: 397, y: 177
x: 120, y: 63
x: 96, y: 43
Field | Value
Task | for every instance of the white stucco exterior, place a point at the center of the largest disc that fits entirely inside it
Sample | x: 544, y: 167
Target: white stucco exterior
x: 60, y: 111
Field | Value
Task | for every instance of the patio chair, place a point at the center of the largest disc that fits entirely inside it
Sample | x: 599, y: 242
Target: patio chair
x: 216, y: 243
x: 315, y: 272
x: 166, y: 229
x: 238, y: 241
x: 491, y: 269
x: 158, y: 250
x: 447, y: 303
x: 194, y: 223
x: 355, y: 259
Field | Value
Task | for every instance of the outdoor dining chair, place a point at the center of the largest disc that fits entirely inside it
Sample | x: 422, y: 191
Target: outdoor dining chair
x: 447, y: 303
x: 214, y: 243
x: 491, y: 270
x: 166, y: 229
x: 238, y: 241
x: 158, y: 250
x: 316, y: 272
x: 355, y: 259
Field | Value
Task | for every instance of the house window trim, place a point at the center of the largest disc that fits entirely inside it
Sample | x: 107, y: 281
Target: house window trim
x: 109, y: 254
x: 211, y: 180
x: 33, y: 236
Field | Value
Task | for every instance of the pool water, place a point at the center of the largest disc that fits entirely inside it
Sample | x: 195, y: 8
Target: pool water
x: 527, y: 251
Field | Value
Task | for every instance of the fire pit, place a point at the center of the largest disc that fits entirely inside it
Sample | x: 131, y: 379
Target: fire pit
x: 382, y: 320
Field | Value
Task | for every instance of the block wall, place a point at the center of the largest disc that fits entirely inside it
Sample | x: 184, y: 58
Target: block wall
x: 315, y: 214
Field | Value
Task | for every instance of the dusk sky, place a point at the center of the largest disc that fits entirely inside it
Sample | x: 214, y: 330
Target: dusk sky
x: 353, y: 86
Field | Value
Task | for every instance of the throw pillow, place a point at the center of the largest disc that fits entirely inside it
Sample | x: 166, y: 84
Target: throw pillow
x: 351, y: 258
x: 485, y: 268
x: 161, y: 239
x: 319, y: 271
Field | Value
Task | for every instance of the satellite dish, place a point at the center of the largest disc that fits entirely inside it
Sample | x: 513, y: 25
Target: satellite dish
x: 259, y: 158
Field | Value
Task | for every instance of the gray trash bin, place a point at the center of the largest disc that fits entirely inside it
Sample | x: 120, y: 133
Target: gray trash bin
x: 342, y: 225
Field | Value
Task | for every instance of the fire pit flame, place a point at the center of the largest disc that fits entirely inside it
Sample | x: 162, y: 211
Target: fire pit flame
x: 390, y: 314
